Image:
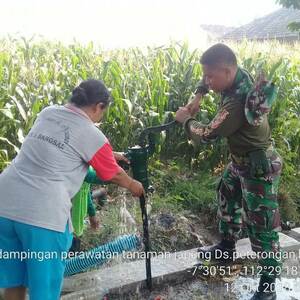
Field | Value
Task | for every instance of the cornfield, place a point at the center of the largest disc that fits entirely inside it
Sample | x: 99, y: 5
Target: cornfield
x: 147, y: 86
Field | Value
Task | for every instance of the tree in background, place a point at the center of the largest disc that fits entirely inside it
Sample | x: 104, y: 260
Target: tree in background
x: 293, y: 26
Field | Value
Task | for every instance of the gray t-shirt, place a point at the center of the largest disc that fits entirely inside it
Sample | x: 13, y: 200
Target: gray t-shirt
x: 37, y: 187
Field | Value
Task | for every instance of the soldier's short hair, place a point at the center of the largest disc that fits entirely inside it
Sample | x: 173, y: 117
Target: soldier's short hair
x: 218, y: 54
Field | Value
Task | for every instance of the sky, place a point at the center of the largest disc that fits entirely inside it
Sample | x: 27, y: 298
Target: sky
x: 124, y: 23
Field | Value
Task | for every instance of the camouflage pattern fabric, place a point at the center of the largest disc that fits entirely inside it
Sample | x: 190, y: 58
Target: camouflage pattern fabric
x: 259, y: 95
x: 253, y: 201
x: 241, y: 117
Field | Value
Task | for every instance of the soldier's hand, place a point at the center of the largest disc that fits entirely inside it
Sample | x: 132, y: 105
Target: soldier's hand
x: 182, y: 114
x: 194, y: 106
x: 259, y: 163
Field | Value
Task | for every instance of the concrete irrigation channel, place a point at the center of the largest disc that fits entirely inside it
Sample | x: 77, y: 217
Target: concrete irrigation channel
x: 174, y: 277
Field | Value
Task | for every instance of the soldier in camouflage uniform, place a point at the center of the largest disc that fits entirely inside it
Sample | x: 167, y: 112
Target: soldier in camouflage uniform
x: 249, y: 186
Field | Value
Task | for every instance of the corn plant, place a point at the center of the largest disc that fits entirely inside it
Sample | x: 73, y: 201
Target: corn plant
x: 147, y: 85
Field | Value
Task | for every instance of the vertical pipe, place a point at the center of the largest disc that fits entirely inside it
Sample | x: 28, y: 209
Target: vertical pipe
x: 146, y: 241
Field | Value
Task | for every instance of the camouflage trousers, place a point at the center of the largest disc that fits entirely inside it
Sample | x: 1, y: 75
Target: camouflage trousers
x: 252, y: 202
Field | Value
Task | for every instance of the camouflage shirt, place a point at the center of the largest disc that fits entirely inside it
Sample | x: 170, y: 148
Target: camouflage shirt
x: 231, y: 122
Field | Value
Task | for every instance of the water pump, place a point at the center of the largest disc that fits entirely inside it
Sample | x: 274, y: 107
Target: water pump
x: 138, y: 157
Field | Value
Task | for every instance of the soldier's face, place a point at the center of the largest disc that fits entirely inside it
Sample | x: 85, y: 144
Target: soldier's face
x: 218, y: 78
